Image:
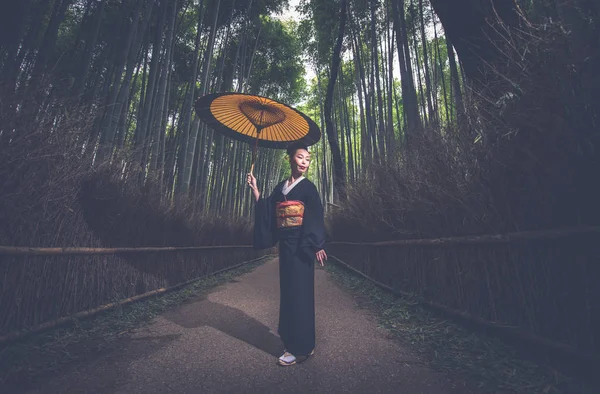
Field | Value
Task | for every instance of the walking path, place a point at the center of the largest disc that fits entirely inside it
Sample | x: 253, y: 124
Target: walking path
x: 226, y: 342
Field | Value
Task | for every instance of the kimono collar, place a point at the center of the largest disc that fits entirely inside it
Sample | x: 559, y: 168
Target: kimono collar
x: 286, y: 189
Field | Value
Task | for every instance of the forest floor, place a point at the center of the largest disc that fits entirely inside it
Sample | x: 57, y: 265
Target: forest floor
x: 220, y: 337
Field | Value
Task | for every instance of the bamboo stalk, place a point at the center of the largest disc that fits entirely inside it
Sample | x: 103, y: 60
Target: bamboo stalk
x: 481, y: 239
x: 29, y: 251
x: 19, y: 334
x: 511, y: 332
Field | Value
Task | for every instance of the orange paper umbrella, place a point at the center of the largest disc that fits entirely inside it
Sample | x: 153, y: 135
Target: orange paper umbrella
x: 257, y: 120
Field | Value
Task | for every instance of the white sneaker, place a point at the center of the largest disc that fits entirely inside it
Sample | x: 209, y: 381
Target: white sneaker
x: 286, y: 359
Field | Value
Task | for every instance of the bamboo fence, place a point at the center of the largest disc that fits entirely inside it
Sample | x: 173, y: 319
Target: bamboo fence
x: 41, y: 288
x: 29, y: 251
x: 538, y: 287
x: 12, y: 336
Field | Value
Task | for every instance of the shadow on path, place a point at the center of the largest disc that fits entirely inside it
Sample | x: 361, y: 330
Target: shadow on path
x: 181, y: 353
x: 230, y: 321
x: 100, y: 365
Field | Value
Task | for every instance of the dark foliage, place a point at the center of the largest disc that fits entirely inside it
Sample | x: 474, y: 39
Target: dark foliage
x: 526, y: 159
x: 50, y: 198
x: 524, y: 162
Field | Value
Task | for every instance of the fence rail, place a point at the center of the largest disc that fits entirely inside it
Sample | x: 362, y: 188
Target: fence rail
x: 18, y: 334
x: 540, y: 282
x: 543, y: 283
x: 512, y: 332
x: 35, y: 251
x: 523, y: 236
x: 41, y: 285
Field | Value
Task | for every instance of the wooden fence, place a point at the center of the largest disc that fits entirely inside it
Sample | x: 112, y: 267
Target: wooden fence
x: 42, y: 287
x: 543, y: 285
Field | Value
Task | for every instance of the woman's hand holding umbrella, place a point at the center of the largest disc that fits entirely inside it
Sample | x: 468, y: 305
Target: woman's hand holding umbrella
x: 252, y: 183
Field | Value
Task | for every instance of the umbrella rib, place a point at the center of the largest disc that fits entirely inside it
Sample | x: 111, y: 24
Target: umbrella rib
x: 304, y: 123
x: 271, y: 133
x: 294, y: 133
x: 238, y: 122
x: 227, y: 117
x: 297, y: 134
x: 228, y: 122
x: 221, y: 109
x: 276, y: 133
x: 292, y: 128
x: 281, y: 131
x: 286, y: 134
x: 248, y: 129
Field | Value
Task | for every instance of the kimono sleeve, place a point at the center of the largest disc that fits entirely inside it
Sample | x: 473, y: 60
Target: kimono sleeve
x: 313, y: 224
x: 264, y: 223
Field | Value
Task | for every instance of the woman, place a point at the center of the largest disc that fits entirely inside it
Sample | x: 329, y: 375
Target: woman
x: 293, y: 215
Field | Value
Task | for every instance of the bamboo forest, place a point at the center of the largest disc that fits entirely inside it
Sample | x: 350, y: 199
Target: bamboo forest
x: 448, y: 235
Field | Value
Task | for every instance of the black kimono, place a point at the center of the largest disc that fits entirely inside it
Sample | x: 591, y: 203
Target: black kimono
x: 297, y: 248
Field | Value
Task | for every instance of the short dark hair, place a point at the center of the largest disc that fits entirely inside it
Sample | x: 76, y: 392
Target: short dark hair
x: 294, y: 146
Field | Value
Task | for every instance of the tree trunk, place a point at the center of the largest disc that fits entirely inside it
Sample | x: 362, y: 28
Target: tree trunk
x: 349, y: 132
x: 13, y: 21
x: 480, y: 40
x: 377, y: 92
x: 417, y: 60
x: 440, y: 67
x: 428, y: 86
x: 369, y: 113
x: 204, y: 89
x: 324, y: 167
x: 390, y: 109
x: 115, y: 106
x: 187, y: 148
x: 409, y: 95
x: 338, y: 161
x: 455, y: 81
x: 46, y: 49
x: 27, y: 46
x: 90, y: 43
x: 156, y: 124
x: 143, y: 126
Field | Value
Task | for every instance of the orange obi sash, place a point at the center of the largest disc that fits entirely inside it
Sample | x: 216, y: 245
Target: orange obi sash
x: 289, y: 213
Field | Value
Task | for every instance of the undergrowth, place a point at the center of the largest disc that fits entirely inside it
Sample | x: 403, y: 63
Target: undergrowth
x: 51, y: 196
x: 468, y: 357
x: 50, y: 351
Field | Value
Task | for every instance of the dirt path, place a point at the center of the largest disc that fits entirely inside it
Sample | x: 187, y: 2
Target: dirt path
x: 226, y: 342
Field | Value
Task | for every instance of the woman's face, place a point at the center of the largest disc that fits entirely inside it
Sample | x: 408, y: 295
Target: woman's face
x: 300, y: 161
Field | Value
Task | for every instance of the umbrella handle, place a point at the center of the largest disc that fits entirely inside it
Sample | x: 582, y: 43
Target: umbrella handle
x: 254, y: 149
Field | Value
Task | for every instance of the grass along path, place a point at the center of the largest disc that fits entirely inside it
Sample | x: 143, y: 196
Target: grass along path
x: 47, y: 352
x: 446, y: 346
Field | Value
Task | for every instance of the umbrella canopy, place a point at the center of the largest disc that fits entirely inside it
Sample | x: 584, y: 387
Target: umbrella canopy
x: 257, y: 120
